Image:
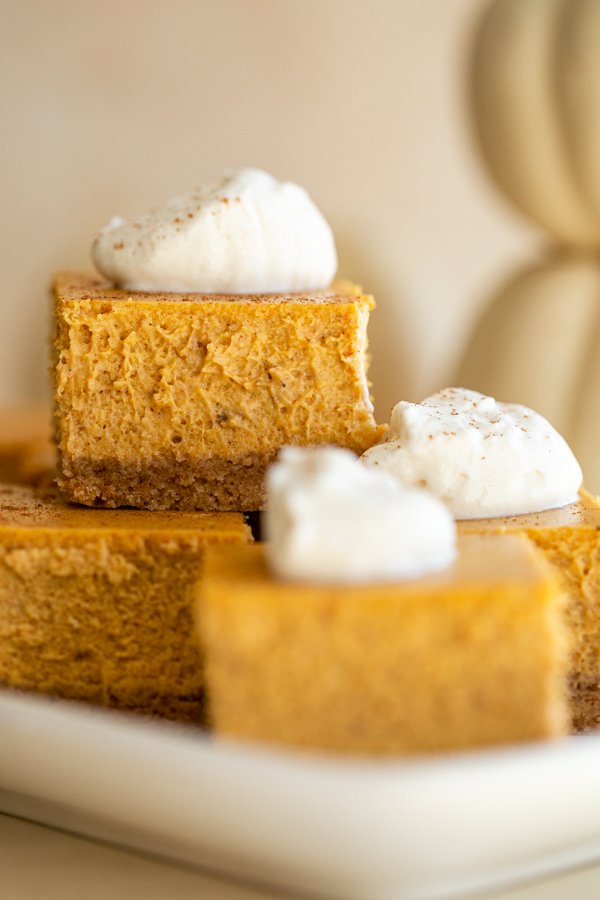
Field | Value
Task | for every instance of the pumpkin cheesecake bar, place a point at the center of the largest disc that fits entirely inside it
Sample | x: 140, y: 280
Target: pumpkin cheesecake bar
x: 95, y: 605
x: 467, y: 657
x: 569, y: 537
x: 180, y: 401
x: 502, y: 466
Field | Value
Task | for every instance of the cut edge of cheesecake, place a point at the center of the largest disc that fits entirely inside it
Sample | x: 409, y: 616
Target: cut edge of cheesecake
x: 198, y: 434
x: 569, y: 538
x: 98, y: 602
x: 470, y: 656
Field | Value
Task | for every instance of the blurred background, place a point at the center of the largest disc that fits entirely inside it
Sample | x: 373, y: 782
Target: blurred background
x: 111, y: 107
x: 418, y: 132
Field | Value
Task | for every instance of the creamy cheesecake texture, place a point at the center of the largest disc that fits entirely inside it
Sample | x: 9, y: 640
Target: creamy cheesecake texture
x: 471, y: 656
x: 95, y: 605
x: 181, y: 400
x: 569, y: 537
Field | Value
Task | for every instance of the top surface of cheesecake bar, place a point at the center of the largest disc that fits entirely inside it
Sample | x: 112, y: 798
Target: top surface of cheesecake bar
x: 43, y: 508
x: 510, y: 560
x: 584, y: 513
x: 75, y: 287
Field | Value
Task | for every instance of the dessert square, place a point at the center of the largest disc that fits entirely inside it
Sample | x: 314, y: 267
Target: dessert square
x: 471, y: 656
x: 96, y: 605
x: 569, y: 537
x: 180, y: 401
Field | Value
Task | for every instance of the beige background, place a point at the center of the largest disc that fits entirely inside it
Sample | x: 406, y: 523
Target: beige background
x: 110, y: 107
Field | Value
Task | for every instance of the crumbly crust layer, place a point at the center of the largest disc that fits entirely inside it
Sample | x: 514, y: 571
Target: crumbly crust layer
x: 211, y: 485
x: 585, y: 705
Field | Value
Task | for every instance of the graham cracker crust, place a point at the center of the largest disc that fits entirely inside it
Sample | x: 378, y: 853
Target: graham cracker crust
x: 209, y: 485
x: 585, y: 706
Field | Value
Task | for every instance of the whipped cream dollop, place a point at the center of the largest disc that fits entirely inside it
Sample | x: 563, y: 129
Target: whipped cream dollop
x: 481, y: 457
x: 331, y: 519
x: 248, y: 233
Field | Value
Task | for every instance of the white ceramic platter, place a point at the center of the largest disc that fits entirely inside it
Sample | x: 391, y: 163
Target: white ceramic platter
x: 437, y: 827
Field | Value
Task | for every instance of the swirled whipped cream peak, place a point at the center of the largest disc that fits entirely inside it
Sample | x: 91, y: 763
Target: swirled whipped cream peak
x: 246, y: 234
x: 330, y: 519
x: 481, y: 457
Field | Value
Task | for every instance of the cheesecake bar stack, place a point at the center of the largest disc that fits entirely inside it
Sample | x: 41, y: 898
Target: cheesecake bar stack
x: 167, y: 410
x: 132, y: 583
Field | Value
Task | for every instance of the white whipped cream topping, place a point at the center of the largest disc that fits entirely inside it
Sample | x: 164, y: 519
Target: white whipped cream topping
x: 330, y: 519
x: 481, y: 457
x: 248, y: 233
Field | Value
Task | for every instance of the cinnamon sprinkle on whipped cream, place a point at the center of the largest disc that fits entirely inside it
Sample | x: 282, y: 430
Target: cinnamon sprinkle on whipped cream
x: 481, y: 457
x: 247, y: 233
